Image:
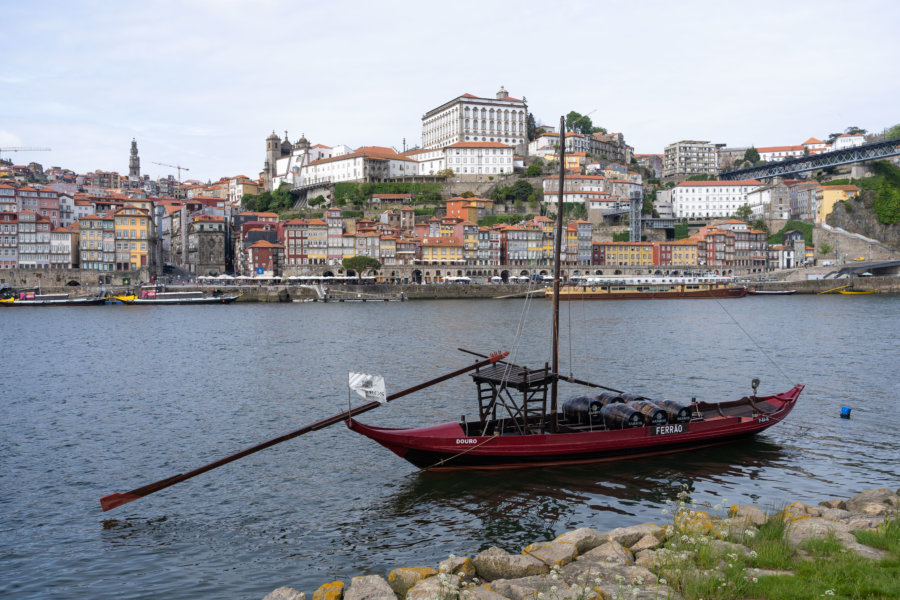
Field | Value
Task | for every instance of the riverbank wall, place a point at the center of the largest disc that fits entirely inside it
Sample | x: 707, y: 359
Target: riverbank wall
x: 643, y: 561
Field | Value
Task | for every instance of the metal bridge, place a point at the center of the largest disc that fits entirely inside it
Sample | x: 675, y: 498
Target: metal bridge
x: 817, y: 161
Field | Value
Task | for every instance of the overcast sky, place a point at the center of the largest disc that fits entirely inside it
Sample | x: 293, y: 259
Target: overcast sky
x: 202, y: 83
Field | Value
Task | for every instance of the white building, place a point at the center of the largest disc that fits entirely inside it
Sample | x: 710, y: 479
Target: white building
x: 710, y: 199
x: 469, y: 118
x: 370, y: 163
x: 779, y: 153
x: 847, y: 140
x: 430, y: 161
x: 476, y: 161
x: 759, y: 200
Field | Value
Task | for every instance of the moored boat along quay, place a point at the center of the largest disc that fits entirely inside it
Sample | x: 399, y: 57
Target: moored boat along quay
x: 698, y: 551
x: 385, y: 292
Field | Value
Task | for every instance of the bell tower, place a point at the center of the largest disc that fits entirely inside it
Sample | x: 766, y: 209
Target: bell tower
x: 134, y: 163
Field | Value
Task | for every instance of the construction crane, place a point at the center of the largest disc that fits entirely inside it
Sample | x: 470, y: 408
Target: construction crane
x: 22, y: 149
x: 179, y: 167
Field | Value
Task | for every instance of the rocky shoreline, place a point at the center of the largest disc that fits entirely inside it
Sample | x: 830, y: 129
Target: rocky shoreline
x: 627, y: 562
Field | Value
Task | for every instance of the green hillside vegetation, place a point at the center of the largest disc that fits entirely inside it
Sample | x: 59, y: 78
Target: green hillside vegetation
x: 885, y: 188
x: 357, y: 193
x: 806, y: 228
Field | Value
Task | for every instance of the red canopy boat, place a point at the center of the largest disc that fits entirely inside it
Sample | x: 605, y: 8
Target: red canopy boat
x: 518, y: 427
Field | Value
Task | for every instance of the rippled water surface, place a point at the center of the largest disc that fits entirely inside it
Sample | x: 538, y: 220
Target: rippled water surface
x: 99, y: 400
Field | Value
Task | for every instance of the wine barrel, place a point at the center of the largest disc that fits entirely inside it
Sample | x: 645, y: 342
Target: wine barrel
x: 605, y: 398
x: 653, y: 413
x: 633, y: 397
x: 582, y: 409
x: 618, y: 415
x: 678, y: 413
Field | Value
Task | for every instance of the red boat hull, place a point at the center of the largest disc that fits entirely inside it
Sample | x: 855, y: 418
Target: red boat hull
x: 446, y: 446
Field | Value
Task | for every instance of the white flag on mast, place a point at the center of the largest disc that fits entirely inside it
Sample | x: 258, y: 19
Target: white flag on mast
x: 370, y: 387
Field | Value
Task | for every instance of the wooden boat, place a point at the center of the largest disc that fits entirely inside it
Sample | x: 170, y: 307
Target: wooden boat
x: 855, y: 292
x: 158, y: 295
x: 520, y: 422
x: 33, y: 297
x: 647, y: 288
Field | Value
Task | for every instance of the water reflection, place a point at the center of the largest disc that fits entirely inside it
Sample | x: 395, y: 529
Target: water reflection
x: 522, y: 506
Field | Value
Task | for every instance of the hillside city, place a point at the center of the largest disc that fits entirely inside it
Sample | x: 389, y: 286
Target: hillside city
x: 477, y: 199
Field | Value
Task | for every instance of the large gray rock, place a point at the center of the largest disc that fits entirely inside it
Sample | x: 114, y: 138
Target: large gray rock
x: 834, y: 503
x: 584, y: 539
x: 628, y: 536
x: 442, y: 587
x: 722, y: 548
x: 285, y: 593
x: 482, y: 593
x: 369, y: 587
x: 663, y: 557
x: 458, y: 565
x: 748, y: 512
x: 618, y: 581
x: 402, y: 580
x: 610, y: 552
x: 554, y: 554
x: 882, y: 496
x: 496, y: 563
x: 648, y: 542
x: 525, y: 588
x: 817, y: 527
x: 835, y: 514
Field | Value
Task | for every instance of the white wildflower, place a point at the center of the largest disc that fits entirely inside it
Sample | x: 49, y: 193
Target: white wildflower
x: 755, y: 580
x: 828, y: 593
x: 753, y: 554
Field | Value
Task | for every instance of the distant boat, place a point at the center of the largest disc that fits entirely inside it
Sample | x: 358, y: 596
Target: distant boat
x: 648, y: 288
x: 33, y: 297
x: 158, y: 295
x: 855, y: 292
x: 771, y: 292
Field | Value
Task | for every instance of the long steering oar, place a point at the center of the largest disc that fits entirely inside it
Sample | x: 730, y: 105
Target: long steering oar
x: 118, y: 499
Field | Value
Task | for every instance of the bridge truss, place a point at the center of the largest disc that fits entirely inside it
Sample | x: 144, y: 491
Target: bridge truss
x: 817, y: 161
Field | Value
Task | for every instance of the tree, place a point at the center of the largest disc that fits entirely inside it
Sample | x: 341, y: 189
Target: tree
x: 467, y: 194
x: 533, y: 170
x: 360, y: 264
x: 702, y: 177
x: 445, y: 173
x: 317, y: 201
x: 248, y: 202
x: 578, y: 123
x: 530, y: 127
x: 744, y: 213
x: 520, y: 190
x: 892, y: 132
x: 751, y: 155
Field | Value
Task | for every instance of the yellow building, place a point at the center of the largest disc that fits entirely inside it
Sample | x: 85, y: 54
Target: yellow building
x: 575, y: 160
x: 132, y: 238
x: 316, y: 244
x: 624, y: 254
x: 442, y: 251
x: 831, y: 195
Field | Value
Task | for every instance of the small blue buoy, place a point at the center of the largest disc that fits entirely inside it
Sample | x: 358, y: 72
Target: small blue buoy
x: 845, y: 412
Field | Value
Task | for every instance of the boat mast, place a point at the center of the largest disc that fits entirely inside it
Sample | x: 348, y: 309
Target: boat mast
x: 557, y: 251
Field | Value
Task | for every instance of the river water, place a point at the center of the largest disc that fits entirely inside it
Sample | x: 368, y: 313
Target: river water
x: 99, y: 400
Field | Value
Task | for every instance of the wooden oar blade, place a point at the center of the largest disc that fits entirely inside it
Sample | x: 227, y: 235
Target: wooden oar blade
x: 116, y: 500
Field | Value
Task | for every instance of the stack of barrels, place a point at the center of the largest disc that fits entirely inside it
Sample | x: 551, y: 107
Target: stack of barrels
x: 612, y: 410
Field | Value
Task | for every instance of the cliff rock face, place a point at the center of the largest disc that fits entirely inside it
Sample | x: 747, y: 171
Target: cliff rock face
x: 861, y: 219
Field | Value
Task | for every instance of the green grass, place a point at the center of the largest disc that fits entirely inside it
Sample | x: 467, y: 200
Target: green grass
x: 823, y: 568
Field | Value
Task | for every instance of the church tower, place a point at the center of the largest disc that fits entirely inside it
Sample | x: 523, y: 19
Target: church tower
x: 273, y: 153
x: 134, y: 164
